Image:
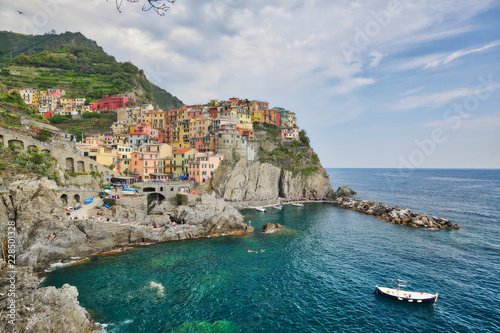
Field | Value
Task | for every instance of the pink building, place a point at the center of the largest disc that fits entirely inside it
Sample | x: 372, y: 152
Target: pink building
x: 202, y: 166
x: 290, y: 133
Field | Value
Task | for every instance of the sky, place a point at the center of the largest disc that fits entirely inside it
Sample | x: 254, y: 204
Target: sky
x: 375, y: 84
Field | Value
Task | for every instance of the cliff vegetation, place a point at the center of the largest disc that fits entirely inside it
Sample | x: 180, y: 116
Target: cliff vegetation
x: 295, y: 156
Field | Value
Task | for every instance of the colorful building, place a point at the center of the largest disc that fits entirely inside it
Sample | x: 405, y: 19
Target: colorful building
x: 202, y: 166
x: 113, y: 102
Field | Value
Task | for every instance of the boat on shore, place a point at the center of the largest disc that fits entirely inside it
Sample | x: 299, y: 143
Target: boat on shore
x: 405, y: 295
x: 261, y: 209
x: 298, y: 204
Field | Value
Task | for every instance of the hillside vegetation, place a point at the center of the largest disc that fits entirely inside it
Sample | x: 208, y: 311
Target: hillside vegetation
x: 295, y: 156
x: 72, y: 62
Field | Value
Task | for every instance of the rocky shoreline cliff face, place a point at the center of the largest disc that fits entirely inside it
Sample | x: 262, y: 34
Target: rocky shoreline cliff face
x: 254, y: 180
x: 31, y: 215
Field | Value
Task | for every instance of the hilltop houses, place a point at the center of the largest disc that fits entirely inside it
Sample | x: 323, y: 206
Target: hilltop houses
x: 189, y: 142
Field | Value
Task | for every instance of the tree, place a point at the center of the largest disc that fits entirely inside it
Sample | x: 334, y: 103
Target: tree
x: 159, y: 6
x: 303, y: 138
x: 90, y: 115
x: 58, y: 119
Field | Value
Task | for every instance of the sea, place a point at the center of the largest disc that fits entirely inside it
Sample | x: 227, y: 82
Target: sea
x: 319, y: 273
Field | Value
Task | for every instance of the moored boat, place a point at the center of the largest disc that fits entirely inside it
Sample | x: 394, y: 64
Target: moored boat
x: 298, y: 204
x: 405, y: 295
x: 278, y: 207
x: 261, y: 209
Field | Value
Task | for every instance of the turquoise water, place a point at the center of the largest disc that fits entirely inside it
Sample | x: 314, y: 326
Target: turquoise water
x: 319, y: 274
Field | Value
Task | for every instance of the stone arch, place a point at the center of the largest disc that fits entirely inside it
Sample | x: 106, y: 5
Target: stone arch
x: 64, y: 199
x: 1, y: 139
x: 16, y: 142
x: 154, y: 199
x: 70, y: 165
x: 77, y: 197
x: 32, y: 147
x: 46, y: 151
x: 80, y: 166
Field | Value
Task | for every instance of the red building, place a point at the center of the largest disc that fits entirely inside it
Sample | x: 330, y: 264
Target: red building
x: 113, y: 102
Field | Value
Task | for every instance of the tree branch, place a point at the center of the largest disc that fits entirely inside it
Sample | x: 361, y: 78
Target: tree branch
x: 159, y: 6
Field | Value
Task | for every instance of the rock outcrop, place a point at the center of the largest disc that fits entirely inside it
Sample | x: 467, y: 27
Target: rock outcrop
x: 269, y: 228
x: 211, y: 217
x: 27, y: 309
x: 254, y: 180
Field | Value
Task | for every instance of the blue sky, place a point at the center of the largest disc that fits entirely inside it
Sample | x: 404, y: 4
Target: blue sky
x: 396, y: 84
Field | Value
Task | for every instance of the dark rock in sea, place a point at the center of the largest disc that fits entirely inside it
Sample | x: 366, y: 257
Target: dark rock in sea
x: 344, y: 191
x: 270, y: 227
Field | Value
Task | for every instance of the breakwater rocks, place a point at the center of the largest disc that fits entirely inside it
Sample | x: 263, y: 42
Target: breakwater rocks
x: 396, y: 215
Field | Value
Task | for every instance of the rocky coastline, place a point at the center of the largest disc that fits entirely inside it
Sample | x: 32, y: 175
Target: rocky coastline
x: 34, y: 213
x: 28, y: 216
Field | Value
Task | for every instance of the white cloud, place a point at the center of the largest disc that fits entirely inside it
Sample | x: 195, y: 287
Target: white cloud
x: 349, y: 85
x: 439, y: 99
x: 411, y: 91
x: 376, y: 57
x: 431, y: 100
x: 489, y: 123
x: 459, y: 54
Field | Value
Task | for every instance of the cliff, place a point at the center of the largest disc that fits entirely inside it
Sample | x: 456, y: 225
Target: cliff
x: 286, y: 169
x: 254, y: 180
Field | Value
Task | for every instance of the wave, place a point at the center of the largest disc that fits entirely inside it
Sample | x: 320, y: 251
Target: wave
x: 56, y: 265
x: 159, y: 287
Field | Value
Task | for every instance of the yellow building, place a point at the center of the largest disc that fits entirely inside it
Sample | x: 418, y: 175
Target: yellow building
x: 180, y: 160
x: 257, y: 116
x: 155, y: 119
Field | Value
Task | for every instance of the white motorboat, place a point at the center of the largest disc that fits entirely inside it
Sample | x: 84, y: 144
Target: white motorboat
x: 261, y: 209
x: 280, y: 207
x: 298, y: 204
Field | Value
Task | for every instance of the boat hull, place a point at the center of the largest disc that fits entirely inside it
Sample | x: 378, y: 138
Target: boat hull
x: 406, y: 296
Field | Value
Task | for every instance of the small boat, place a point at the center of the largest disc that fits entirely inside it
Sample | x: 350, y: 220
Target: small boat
x: 405, y: 295
x: 89, y: 200
x: 298, y: 204
x: 278, y: 207
x: 261, y: 209
x: 78, y: 206
x: 70, y: 209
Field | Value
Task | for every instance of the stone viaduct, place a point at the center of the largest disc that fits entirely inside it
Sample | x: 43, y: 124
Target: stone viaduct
x: 62, y: 150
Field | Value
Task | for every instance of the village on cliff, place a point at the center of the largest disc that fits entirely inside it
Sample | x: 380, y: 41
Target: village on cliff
x: 150, y: 144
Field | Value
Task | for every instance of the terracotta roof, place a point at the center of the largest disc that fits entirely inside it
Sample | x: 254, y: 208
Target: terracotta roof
x: 182, y: 150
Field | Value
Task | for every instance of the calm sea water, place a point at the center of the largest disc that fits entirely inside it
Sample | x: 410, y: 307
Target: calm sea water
x: 319, y: 274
